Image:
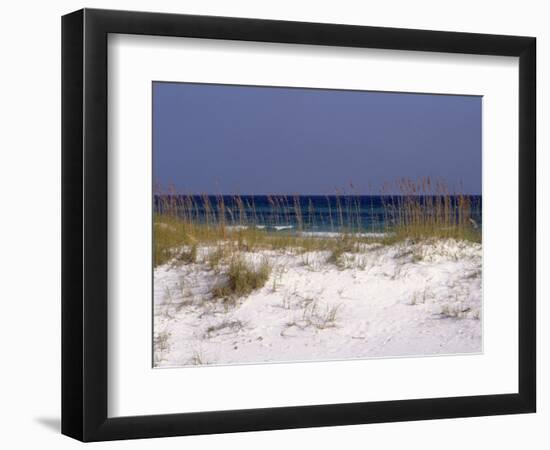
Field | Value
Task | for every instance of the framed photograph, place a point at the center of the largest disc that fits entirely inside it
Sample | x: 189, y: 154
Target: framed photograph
x: 272, y: 224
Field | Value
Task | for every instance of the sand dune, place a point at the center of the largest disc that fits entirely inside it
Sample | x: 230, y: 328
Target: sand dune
x: 405, y: 299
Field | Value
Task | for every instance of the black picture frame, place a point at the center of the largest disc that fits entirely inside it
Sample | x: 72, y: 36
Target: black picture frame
x: 84, y: 224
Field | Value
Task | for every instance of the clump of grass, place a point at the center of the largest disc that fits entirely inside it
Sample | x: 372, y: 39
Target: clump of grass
x: 344, y: 245
x: 277, y: 280
x: 453, y: 311
x: 215, y: 257
x: 417, y: 257
x: 325, y: 318
x: 161, y: 345
x: 188, y: 256
x: 419, y: 298
x: 476, y: 273
x: 427, y: 208
x: 197, y: 359
x: 242, y: 279
x: 160, y: 341
x: 224, y: 327
x: 315, y: 316
x: 169, y: 235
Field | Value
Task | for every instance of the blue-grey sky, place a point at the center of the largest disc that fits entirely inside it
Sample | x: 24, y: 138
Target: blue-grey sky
x: 222, y: 139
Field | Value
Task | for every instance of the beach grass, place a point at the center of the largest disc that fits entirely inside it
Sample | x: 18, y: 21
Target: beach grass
x: 424, y: 209
x: 242, y: 278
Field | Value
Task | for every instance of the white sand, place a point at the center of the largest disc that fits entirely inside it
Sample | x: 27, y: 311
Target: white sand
x: 404, y: 299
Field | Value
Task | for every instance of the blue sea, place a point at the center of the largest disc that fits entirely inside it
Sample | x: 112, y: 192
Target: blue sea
x: 315, y: 213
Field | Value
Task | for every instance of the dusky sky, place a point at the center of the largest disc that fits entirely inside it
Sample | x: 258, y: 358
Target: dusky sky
x: 221, y: 139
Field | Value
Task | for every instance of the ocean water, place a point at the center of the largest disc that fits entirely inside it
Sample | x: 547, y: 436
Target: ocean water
x: 315, y: 213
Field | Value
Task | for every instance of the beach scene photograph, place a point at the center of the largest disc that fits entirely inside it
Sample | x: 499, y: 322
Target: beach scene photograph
x: 301, y: 224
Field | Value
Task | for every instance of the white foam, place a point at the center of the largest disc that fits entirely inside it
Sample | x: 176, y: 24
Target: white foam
x: 283, y: 227
x: 334, y: 234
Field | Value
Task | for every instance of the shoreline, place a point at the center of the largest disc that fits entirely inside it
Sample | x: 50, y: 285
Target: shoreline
x: 292, y: 231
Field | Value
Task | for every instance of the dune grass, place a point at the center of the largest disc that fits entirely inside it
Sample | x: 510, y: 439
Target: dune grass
x: 423, y: 209
x: 242, y: 279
